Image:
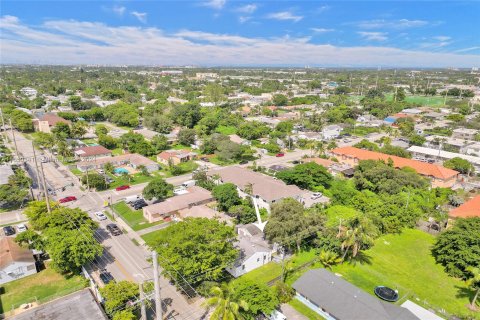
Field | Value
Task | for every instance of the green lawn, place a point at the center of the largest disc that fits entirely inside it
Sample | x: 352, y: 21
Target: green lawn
x: 42, y: 287
x: 227, y: 130
x: 134, y: 218
x: 151, y: 238
x: 360, y: 131
x: 136, y: 178
x: 436, y: 101
x: 404, y: 262
x: 303, y: 309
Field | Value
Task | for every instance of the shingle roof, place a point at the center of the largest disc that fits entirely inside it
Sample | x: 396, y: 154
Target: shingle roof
x: 323, y: 162
x: 468, y: 209
x: 11, y: 252
x: 264, y: 186
x: 422, y: 168
x: 345, y: 301
x: 133, y: 158
x: 53, y: 119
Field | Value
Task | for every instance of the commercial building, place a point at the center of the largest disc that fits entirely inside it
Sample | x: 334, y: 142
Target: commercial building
x: 469, y: 209
x: 439, y: 176
x: 424, y: 153
x: 336, y: 299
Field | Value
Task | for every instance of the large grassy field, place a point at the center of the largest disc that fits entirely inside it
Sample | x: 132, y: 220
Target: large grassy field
x: 435, y: 101
x: 134, y: 218
x: 404, y: 262
x: 42, y: 287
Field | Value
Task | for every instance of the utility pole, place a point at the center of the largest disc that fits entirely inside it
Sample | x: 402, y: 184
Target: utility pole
x: 88, y: 183
x: 4, y: 131
x: 14, y: 140
x: 156, y: 280
x: 36, y: 165
x: 45, y: 189
x: 143, y: 308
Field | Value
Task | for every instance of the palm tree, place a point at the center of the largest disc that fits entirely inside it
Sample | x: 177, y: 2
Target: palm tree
x: 227, y: 307
x: 328, y: 258
x: 357, y: 234
x: 474, y: 284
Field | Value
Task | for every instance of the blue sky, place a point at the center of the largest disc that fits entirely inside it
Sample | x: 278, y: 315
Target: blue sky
x: 227, y: 32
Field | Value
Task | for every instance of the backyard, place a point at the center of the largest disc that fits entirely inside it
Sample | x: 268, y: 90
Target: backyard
x: 404, y: 262
x: 134, y: 218
x: 42, y: 287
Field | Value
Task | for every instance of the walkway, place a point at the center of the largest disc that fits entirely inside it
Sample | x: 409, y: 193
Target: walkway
x: 153, y: 228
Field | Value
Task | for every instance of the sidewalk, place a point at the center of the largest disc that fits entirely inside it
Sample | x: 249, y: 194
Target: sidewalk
x: 12, y: 217
x: 153, y: 228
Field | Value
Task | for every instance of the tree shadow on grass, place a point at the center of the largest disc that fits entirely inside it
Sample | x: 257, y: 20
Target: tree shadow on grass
x: 464, y: 292
x: 361, y: 258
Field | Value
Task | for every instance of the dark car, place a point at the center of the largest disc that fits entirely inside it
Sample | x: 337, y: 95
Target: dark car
x: 8, y: 230
x: 106, y: 277
x: 139, y: 204
x: 204, y: 159
x: 243, y: 162
x: 114, y: 229
x: 124, y: 187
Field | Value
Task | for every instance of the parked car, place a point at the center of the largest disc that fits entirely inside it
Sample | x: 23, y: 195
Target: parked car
x: 132, y: 199
x: 243, y: 162
x: 67, y: 199
x: 139, y: 204
x: 21, y: 227
x: 100, y: 215
x: 106, y: 276
x: 316, y: 195
x: 295, y: 161
x: 124, y: 187
x: 204, y: 159
x: 278, y: 155
x: 114, y: 229
x: 8, y: 230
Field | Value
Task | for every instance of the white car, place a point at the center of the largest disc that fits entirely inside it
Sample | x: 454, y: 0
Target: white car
x: 100, y: 215
x: 316, y: 195
x: 21, y: 228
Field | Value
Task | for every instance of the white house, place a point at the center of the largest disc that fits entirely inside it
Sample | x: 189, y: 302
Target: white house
x: 30, y: 92
x: 254, y: 250
x: 15, y: 262
x: 331, y: 132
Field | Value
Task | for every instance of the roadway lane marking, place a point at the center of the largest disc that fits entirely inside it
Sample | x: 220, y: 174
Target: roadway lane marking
x: 123, y: 270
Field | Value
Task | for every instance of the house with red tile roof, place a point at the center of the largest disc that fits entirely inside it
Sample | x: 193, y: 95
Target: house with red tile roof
x: 46, y: 122
x: 92, y: 153
x: 470, y: 208
x: 439, y: 175
x: 175, y: 156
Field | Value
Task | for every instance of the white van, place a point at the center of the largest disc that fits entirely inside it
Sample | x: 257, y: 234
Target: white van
x: 277, y: 315
x: 131, y: 199
x: 188, y: 184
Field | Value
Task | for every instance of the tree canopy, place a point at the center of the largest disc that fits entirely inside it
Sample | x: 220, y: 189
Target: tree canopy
x: 157, y: 188
x: 307, y: 176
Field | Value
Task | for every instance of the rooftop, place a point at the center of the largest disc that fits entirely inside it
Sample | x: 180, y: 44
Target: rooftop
x: 92, y: 151
x: 470, y: 208
x: 343, y: 300
x: 53, y: 119
x: 11, y: 252
x: 133, y: 158
x: 264, y: 186
x: 5, y: 173
x: 80, y: 305
x: 422, y: 168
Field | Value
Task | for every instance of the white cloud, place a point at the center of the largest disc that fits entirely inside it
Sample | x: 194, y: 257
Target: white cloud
x: 322, y: 9
x: 248, y: 8
x: 77, y: 42
x: 373, y: 36
x: 215, y: 4
x: 391, y: 24
x: 321, y: 30
x: 243, y: 19
x: 467, y: 49
x: 285, y: 15
x: 442, y: 38
x: 119, y: 10
x: 141, y: 16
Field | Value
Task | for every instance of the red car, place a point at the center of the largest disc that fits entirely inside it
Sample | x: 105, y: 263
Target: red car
x: 67, y: 199
x: 124, y: 187
x: 278, y: 155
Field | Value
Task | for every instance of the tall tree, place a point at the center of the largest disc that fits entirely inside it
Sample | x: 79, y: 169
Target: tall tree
x: 158, y: 188
x: 225, y: 304
x: 226, y: 195
x: 473, y: 282
x: 359, y: 233
x: 307, y: 176
x: 289, y: 224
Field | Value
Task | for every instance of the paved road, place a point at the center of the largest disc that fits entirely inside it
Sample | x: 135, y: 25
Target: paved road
x: 122, y: 258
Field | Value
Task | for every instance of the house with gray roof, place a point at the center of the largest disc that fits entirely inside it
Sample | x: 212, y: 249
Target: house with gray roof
x: 337, y: 299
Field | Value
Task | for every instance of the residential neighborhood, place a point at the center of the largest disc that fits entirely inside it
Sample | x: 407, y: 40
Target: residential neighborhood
x: 231, y: 160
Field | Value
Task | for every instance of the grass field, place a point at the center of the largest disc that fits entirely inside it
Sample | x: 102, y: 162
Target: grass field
x: 227, y: 130
x: 134, y: 218
x: 404, y: 262
x: 151, y: 237
x: 435, y: 101
x: 136, y: 178
x: 303, y: 309
x: 42, y: 287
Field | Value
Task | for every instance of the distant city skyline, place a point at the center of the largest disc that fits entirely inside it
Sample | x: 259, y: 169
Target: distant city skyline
x: 238, y: 33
